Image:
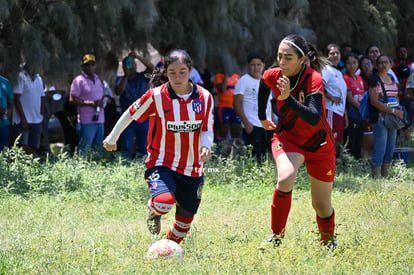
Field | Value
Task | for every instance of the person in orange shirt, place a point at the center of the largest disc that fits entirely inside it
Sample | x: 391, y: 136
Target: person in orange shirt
x: 227, y: 118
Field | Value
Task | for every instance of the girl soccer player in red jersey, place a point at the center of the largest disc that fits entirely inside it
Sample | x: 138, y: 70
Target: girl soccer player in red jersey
x: 179, y: 140
x: 303, y: 135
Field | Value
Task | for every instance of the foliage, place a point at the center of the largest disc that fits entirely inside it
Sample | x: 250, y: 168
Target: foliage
x: 86, y: 215
x: 52, y: 35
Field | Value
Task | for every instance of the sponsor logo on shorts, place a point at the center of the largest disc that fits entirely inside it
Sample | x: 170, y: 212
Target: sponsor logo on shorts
x: 183, y: 126
x: 329, y: 173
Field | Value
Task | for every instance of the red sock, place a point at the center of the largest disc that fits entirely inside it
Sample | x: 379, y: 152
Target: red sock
x: 161, y: 204
x: 326, y: 228
x: 180, y: 228
x: 280, y: 211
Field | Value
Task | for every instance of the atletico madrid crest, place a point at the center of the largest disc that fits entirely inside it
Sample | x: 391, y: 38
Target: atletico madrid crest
x: 197, y: 106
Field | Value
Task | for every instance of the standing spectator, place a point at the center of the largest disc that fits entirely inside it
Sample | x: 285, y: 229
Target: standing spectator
x: 303, y: 135
x: 366, y: 69
x: 409, y: 88
x: 355, y: 92
x: 227, y: 118
x: 374, y: 51
x: 86, y: 92
x: 246, y: 106
x: 6, y: 107
x: 131, y: 86
x: 181, y: 135
x: 335, y: 92
x: 401, y: 53
x: 206, y: 76
x: 346, y: 49
x: 29, y: 108
x: 403, y: 68
x: 384, y: 138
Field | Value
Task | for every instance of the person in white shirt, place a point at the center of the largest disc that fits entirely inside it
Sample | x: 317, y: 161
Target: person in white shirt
x: 246, y: 106
x: 29, y: 108
x: 335, y: 92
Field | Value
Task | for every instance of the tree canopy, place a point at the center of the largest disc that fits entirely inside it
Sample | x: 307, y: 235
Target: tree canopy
x: 54, y: 34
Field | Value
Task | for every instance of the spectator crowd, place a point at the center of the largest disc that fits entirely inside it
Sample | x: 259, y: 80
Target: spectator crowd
x: 237, y: 128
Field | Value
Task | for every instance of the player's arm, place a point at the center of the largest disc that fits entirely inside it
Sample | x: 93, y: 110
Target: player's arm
x: 139, y: 111
x: 311, y: 111
x: 207, y: 134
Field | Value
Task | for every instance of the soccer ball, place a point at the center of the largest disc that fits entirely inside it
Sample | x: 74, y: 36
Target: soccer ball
x: 165, y: 249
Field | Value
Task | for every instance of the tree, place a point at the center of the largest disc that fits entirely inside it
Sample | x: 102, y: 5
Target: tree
x: 54, y: 34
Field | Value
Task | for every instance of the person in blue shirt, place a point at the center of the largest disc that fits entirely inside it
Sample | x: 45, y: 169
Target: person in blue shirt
x: 131, y: 86
x: 6, y: 105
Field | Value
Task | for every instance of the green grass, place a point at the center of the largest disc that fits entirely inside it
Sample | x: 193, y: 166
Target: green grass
x: 72, y: 215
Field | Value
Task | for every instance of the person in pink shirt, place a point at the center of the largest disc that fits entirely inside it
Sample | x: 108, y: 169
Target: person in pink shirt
x: 86, y: 92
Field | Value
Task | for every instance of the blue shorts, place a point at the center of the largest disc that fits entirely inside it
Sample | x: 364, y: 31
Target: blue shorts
x: 187, y: 190
x: 227, y: 115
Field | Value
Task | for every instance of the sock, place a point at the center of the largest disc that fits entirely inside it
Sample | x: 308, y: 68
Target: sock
x: 161, y: 204
x: 280, y: 211
x: 326, y: 228
x: 180, y: 228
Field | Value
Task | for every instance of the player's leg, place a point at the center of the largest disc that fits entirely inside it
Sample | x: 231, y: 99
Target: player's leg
x: 321, y: 169
x: 288, y: 159
x: 288, y: 165
x: 188, y: 195
x: 162, y: 188
x: 325, y: 214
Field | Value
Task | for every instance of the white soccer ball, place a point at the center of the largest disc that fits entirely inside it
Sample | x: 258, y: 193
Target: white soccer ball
x: 165, y: 249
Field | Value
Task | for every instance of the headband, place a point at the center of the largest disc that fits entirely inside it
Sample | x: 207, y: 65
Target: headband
x: 294, y: 45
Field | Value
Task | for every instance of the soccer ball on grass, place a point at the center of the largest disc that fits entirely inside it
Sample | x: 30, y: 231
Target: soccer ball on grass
x: 165, y: 249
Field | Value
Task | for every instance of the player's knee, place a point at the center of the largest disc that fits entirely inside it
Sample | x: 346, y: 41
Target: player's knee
x: 162, y: 204
x: 322, y: 209
x: 286, y: 183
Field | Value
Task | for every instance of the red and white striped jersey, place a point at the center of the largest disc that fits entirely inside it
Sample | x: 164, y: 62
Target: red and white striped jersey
x: 177, y: 127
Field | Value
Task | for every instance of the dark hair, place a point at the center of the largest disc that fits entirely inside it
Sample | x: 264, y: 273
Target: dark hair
x: 159, y: 77
x: 362, y: 57
x: 175, y: 55
x: 345, y: 45
x: 382, y: 55
x: 332, y: 45
x: 370, y: 46
x: 254, y: 55
x: 317, y: 62
x: 351, y: 55
x: 399, y: 47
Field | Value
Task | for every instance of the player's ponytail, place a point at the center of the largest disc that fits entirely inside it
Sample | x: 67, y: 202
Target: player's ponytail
x: 305, y: 48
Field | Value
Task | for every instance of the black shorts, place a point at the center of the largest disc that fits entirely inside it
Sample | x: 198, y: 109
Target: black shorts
x: 187, y: 190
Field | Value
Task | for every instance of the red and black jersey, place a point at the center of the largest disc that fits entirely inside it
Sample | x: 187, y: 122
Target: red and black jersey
x: 308, y: 137
x: 175, y: 127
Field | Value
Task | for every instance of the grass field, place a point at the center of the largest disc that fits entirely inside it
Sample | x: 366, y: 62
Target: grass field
x: 74, y: 215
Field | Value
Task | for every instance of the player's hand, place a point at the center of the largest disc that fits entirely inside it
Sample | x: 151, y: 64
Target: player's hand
x: 109, y: 147
x: 283, y: 84
x: 204, y: 154
x: 268, y: 125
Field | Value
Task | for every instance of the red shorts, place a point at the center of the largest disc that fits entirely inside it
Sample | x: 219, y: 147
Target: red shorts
x: 338, y: 125
x: 320, y: 164
x: 367, y: 127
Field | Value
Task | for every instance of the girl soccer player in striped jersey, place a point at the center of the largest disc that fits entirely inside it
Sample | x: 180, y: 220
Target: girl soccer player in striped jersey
x: 303, y: 135
x: 179, y: 141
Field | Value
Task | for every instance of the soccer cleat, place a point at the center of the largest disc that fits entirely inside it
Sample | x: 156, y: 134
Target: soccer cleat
x: 154, y: 224
x: 272, y: 240
x: 331, y: 246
